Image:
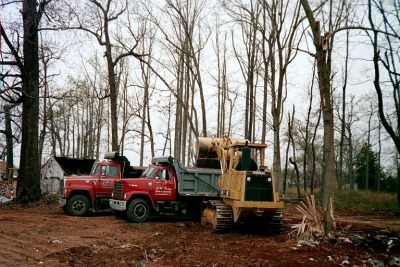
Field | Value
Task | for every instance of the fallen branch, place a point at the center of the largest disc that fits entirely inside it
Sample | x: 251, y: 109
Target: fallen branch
x: 312, y: 224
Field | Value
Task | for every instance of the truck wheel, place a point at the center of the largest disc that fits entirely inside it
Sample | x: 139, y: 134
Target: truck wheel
x: 78, y: 205
x: 138, y: 210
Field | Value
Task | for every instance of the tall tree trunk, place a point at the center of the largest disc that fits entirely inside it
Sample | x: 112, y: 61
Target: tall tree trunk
x: 312, y: 178
x: 43, y: 131
x: 367, y: 167
x: 323, y: 67
x: 113, y: 88
x: 144, y: 117
x: 307, y: 135
x: 378, y: 176
x: 343, y: 123
x: 9, y: 136
x: 285, y: 174
x: 293, y: 161
x: 28, y: 188
x: 99, y: 124
x: 179, y: 107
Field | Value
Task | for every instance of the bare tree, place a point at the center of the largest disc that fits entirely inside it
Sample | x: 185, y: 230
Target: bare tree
x: 147, y: 92
x: 323, y: 62
x: 292, y: 160
x: 247, y: 16
x: 306, y: 131
x: 385, y: 39
x: 343, y: 122
x: 226, y: 97
x: 48, y: 55
x: 10, y: 135
x: 99, y: 19
x: 182, y: 26
x: 347, y: 143
x: 185, y: 16
x: 27, y: 63
x: 281, y: 37
x: 314, y: 153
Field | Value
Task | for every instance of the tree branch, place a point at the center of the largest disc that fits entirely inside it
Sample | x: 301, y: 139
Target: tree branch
x: 14, y: 52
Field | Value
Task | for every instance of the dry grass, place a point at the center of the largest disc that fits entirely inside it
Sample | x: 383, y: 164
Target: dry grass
x: 354, y: 199
x: 366, y: 200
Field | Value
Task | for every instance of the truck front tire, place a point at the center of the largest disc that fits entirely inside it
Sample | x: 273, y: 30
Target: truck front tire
x: 78, y: 205
x: 138, y: 210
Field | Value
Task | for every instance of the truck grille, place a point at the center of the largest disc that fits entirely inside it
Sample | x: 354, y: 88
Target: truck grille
x: 118, y: 189
x: 258, y: 187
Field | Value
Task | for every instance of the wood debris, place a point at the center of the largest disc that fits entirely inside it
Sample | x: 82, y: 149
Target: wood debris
x: 312, y: 224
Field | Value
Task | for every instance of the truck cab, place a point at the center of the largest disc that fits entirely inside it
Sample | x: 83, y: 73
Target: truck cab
x: 165, y: 188
x: 80, y: 193
x: 135, y: 198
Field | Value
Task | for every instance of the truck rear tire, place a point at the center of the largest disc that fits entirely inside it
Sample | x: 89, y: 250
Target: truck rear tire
x: 78, y: 205
x: 138, y: 210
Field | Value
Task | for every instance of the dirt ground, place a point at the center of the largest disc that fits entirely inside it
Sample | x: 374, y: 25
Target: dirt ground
x: 42, y: 235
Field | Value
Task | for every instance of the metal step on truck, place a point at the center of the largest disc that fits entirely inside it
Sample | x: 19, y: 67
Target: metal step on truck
x: 165, y: 188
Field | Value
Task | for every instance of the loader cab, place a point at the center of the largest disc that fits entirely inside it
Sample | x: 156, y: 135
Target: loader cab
x: 246, y: 162
x: 243, y: 156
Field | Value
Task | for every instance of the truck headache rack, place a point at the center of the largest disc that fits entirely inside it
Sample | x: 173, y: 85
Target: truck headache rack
x: 111, y: 155
x: 162, y: 160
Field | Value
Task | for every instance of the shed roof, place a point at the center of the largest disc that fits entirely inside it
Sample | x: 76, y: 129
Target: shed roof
x: 75, y: 166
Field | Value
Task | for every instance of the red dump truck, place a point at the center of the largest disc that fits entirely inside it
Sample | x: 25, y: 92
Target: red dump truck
x: 240, y: 192
x: 79, y: 193
x: 165, y: 188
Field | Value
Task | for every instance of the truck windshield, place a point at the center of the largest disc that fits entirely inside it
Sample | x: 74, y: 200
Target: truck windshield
x: 95, y: 169
x: 148, y: 172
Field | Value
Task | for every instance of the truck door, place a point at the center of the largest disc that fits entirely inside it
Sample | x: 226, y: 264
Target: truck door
x: 109, y: 173
x: 164, y: 185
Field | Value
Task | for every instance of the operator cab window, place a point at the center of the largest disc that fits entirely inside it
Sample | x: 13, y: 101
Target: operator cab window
x: 95, y: 169
x: 163, y: 175
x: 149, y: 172
x: 112, y: 171
x: 103, y: 171
x: 109, y: 171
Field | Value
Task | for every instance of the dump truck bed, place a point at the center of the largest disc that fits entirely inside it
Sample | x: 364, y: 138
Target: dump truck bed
x: 197, y: 181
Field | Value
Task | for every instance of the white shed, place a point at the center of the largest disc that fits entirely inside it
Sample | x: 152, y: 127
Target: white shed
x: 55, y: 168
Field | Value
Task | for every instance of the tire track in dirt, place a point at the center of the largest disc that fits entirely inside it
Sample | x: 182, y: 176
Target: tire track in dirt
x: 39, y: 237
x: 42, y: 235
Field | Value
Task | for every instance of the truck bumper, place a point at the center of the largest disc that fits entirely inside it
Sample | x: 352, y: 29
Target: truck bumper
x: 118, y: 204
x: 62, y: 201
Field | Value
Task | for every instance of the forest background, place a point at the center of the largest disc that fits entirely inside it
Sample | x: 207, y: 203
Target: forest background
x: 147, y: 78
